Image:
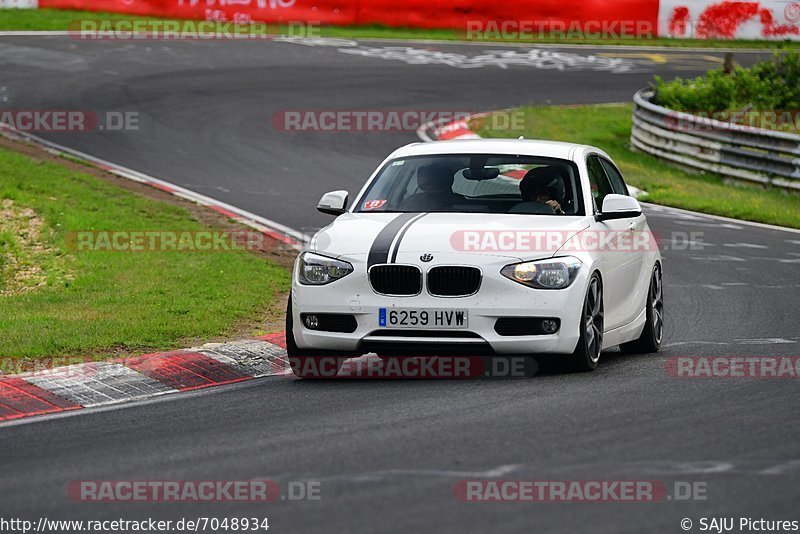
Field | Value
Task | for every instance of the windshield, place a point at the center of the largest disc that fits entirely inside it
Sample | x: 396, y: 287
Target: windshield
x: 475, y: 183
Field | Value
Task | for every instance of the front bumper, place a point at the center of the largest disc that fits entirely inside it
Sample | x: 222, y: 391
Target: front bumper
x: 498, y: 297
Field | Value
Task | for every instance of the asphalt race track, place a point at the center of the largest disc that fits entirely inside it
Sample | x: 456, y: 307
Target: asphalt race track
x: 388, y: 453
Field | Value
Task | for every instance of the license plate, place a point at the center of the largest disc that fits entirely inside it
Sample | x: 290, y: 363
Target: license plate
x: 422, y: 318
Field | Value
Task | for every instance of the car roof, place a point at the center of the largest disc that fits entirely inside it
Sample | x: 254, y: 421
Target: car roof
x: 528, y: 147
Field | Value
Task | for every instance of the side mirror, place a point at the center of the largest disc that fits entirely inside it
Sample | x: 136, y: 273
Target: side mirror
x: 333, y: 203
x: 619, y: 207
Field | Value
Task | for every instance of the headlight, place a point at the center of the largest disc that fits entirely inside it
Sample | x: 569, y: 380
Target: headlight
x: 316, y: 270
x: 556, y: 273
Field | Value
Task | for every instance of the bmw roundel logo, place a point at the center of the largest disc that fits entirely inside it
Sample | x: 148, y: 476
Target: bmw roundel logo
x: 426, y: 257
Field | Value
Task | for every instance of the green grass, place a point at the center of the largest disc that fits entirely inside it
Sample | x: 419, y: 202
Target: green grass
x: 608, y: 127
x: 102, y: 304
x: 53, y: 19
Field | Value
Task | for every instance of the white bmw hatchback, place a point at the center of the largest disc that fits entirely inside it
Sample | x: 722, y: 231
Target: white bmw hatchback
x: 480, y: 246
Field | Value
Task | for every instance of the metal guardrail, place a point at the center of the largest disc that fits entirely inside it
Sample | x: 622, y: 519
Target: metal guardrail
x: 734, y: 150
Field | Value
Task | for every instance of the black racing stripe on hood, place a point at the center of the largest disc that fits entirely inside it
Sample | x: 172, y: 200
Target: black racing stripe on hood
x: 400, y: 237
x: 379, y: 252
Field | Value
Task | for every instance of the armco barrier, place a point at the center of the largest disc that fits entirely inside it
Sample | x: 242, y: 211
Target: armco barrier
x: 734, y: 150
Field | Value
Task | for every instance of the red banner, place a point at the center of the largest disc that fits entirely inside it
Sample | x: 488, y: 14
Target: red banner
x: 458, y: 15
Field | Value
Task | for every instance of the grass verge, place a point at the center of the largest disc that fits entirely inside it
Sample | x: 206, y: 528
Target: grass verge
x: 57, y: 301
x: 609, y: 127
x: 56, y: 20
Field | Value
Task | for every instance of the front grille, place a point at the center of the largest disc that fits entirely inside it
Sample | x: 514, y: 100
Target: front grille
x: 332, y: 322
x: 523, y: 326
x: 454, y: 281
x: 396, y: 279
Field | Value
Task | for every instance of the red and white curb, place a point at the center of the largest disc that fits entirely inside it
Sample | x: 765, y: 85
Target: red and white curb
x: 118, y: 381
x: 93, y: 384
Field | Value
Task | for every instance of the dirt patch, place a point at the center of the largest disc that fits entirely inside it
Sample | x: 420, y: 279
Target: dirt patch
x: 28, y: 260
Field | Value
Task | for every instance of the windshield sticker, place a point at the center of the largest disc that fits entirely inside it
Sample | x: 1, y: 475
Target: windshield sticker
x: 374, y: 204
x: 397, y: 163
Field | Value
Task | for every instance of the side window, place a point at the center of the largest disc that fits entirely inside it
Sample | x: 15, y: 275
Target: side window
x: 617, y: 183
x: 598, y: 181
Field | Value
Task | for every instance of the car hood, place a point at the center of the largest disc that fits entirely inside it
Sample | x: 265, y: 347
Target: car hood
x: 380, y: 236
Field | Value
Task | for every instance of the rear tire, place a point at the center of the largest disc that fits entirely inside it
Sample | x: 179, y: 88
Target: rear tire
x: 308, y: 364
x: 650, y: 339
x: 587, y: 352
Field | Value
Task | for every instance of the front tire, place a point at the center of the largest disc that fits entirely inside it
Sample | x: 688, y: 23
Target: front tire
x: 587, y: 352
x: 650, y: 339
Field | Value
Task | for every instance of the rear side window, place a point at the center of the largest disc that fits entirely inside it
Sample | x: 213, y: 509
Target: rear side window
x: 614, y: 176
x: 598, y: 181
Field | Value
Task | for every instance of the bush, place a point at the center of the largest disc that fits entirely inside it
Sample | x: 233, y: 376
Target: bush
x: 766, y: 86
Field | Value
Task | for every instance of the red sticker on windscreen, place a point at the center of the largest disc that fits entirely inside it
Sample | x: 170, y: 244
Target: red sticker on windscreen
x: 374, y: 204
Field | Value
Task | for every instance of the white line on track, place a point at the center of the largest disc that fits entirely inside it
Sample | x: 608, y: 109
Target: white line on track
x: 780, y: 469
x: 744, y: 245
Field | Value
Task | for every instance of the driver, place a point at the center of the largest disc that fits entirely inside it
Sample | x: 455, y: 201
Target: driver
x: 543, y: 184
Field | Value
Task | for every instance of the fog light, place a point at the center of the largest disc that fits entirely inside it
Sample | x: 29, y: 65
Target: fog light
x: 549, y: 326
x: 311, y: 321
